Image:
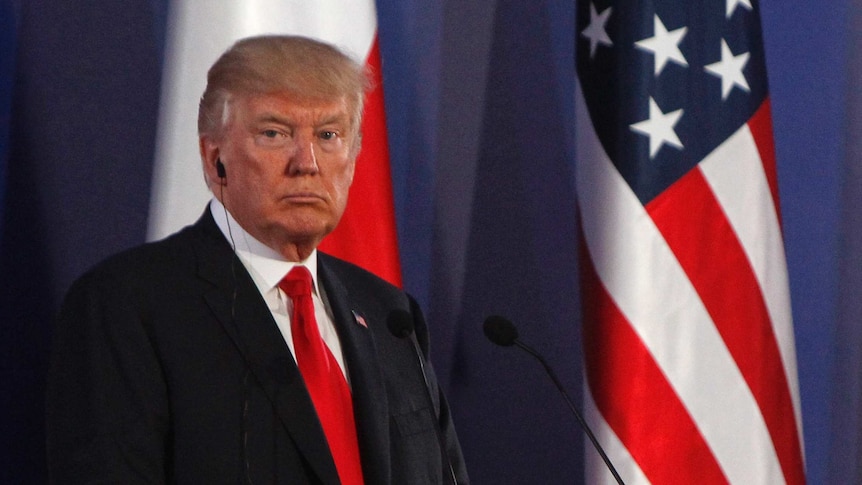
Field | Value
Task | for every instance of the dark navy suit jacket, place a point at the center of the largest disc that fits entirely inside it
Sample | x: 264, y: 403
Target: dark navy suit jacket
x: 168, y: 368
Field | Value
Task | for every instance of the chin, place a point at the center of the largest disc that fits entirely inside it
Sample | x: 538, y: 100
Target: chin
x: 305, y: 233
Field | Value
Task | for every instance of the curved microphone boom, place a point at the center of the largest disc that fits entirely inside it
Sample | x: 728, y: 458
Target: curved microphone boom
x: 400, y: 324
x: 503, y: 332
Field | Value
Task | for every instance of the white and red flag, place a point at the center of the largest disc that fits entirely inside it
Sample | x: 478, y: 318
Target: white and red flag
x: 688, y: 335
x: 199, y: 31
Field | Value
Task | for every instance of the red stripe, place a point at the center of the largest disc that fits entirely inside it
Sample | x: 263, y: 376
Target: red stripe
x: 635, y: 398
x: 761, y: 129
x: 366, y: 234
x: 697, y: 231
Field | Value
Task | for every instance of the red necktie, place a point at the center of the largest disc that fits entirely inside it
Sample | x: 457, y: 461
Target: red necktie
x: 323, y: 378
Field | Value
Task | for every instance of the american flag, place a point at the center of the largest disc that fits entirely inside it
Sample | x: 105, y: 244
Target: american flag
x: 688, y: 335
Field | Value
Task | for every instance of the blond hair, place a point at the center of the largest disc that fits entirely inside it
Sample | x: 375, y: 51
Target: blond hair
x: 265, y: 64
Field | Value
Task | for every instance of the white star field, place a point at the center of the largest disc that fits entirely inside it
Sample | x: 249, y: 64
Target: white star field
x: 666, y: 47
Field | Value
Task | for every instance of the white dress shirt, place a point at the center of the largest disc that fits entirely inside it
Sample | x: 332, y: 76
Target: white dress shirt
x: 267, y: 267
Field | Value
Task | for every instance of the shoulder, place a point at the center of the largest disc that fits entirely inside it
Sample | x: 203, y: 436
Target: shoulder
x: 155, y: 264
x: 356, y: 277
x: 361, y: 289
x: 370, y: 293
x: 147, y: 258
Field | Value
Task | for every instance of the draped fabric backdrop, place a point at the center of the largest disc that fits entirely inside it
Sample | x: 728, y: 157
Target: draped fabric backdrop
x: 8, y: 43
x: 480, y: 118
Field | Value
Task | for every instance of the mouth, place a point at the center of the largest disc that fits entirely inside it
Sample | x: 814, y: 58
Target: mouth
x: 303, y: 198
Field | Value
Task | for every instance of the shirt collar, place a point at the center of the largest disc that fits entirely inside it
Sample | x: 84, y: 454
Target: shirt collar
x: 266, y: 262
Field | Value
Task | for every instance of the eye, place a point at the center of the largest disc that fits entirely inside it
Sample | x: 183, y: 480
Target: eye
x: 328, y: 135
x: 272, y: 137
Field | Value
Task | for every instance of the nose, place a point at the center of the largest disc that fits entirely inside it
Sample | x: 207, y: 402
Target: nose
x: 302, y: 160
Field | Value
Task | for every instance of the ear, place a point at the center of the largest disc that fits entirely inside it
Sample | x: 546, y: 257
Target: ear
x: 210, y: 153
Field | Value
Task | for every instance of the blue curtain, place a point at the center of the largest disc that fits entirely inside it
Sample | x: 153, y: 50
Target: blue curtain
x: 480, y: 111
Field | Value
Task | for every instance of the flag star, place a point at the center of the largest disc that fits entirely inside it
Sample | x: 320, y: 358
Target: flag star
x: 664, y: 45
x: 732, y: 4
x: 659, y: 128
x: 729, y: 69
x: 596, y: 30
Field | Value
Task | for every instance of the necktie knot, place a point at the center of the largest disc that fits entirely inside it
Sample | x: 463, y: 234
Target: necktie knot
x: 297, y: 282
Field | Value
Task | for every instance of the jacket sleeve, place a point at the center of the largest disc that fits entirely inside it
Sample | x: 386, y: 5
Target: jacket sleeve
x: 106, y: 409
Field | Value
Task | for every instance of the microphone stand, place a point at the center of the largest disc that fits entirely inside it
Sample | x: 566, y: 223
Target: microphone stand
x: 574, y: 409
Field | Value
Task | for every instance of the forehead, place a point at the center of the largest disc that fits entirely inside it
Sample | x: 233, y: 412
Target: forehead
x: 285, y: 106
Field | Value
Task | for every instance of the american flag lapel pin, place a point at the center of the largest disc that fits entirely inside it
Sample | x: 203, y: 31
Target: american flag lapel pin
x: 360, y: 320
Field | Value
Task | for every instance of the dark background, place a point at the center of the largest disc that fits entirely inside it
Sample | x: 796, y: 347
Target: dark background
x: 481, y: 125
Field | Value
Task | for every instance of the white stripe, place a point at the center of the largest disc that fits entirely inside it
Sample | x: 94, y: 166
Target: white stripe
x: 596, y: 471
x: 648, y: 285
x: 199, y: 31
x: 737, y: 177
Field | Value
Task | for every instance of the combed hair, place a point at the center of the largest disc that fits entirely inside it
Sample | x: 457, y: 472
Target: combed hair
x: 272, y: 63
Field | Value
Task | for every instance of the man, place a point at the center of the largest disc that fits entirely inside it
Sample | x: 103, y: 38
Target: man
x: 191, y: 360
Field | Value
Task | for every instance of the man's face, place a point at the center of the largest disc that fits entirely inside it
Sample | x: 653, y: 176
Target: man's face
x: 289, y: 164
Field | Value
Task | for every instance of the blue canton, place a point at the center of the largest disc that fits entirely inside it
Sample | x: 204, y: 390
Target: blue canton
x: 699, y: 64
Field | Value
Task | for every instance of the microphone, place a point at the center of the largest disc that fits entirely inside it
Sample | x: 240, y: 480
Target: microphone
x: 400, y: 324
x: 500, y: 331
x: 503, y: 332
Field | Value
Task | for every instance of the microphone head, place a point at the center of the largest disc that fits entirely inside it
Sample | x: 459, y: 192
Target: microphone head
x: 500, y: 330
x: 400, y: 323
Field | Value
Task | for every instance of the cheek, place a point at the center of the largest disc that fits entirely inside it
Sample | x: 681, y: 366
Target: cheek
x: 338, y: 173
x: 344, y: 181
x: 257, y: 174
x: 349, y: 172
x: 338, y: 186
x: 249, y: 188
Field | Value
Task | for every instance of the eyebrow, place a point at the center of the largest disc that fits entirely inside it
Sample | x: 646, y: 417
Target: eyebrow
x: 272, y: 118
x: 335, y: 118
x: 327, y: 119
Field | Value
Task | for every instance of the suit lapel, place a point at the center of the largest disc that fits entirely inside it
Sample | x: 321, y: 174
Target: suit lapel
x: 239, y: 307
x: 366, y: 378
